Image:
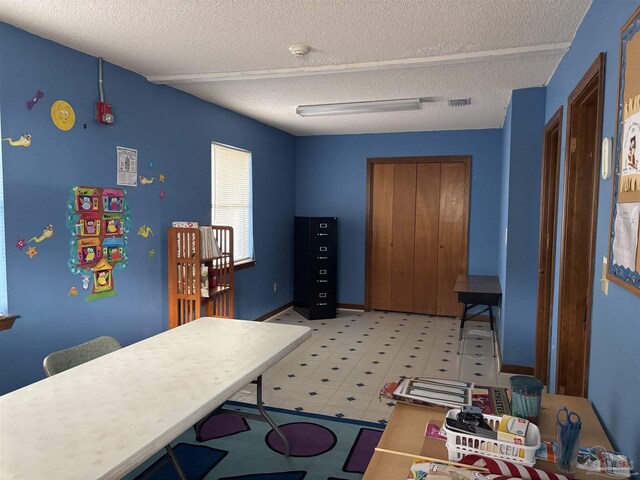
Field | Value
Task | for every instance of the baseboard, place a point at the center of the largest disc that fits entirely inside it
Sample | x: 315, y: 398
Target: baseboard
x: 351, y: 306
x: 517, y: 369
x: 273, y: 312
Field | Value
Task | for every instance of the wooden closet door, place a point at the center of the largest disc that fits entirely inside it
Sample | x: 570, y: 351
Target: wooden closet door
x: 381, y: 225
x: 452, y: 234
x: 425, y: 278
x: 403, y: 233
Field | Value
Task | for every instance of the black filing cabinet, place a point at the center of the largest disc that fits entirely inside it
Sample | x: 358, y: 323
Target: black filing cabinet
x: 314, y: 266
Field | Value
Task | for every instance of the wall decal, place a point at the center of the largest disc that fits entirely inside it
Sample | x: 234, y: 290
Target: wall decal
x: 162, y: 194
x: 127, y: 160
x: 20, y: 244
x: 152, y: 253
x: 62, y: 115
x: 146, y: 181
x: 46, y: 233
x: 98, y: 219
x: 31, y: 103
x: 73, y: 292
x: 162, y: 177
x: 31, y: 252
x: 144, y: 231
x: 23, y: 141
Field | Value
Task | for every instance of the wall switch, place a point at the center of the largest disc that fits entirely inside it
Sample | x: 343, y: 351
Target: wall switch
x: 275, y: 287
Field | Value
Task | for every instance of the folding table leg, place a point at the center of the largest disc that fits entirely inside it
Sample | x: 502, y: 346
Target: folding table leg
x: 174, y: 459
x: 268, y: 418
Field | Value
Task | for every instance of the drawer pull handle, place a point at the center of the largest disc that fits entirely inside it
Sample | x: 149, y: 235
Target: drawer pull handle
x: 322, y: 304
x: 321, y: 258
x: 323, y: 249
x: 322, y: 281
x: 322, y: 234
x: 322, y: 272
x: 322, y: 295
x: 323, y: 225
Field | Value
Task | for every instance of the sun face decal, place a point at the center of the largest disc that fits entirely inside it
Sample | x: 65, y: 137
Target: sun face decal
x: 62, y: 115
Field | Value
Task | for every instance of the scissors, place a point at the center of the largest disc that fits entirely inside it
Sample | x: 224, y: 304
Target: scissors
x: 570, y: 424
x: 567, y: 419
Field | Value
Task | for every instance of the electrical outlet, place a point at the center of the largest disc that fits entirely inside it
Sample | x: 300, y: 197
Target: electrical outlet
x: 275, y: 287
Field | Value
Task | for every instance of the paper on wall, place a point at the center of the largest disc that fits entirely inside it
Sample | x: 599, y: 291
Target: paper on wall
x: 127, y: 166
x: 625, y: 241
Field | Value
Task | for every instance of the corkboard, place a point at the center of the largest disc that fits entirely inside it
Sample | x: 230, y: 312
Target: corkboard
x: 626, y: 180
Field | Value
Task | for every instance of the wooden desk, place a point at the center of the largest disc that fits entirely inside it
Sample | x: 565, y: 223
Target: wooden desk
x: 103, y: 418
x: 405, y: 433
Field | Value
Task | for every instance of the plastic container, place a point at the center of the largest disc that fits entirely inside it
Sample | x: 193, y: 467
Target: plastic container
x: 526, y: 393
x: 461, y: 444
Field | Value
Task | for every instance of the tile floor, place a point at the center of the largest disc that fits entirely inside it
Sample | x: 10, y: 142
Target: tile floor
x: 340, y: 369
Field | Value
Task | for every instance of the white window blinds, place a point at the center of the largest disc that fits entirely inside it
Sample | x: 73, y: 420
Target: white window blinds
x: 231, y: 197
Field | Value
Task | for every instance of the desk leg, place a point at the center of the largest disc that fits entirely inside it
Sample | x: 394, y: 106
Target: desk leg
x: 268, y: 418
x: 462, y: 318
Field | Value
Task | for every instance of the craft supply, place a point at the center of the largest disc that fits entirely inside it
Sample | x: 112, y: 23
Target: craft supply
x: 526, y: 393
x: 568, y: 425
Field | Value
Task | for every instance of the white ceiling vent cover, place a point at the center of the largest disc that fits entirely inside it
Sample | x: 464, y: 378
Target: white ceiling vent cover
x: 459, y: 102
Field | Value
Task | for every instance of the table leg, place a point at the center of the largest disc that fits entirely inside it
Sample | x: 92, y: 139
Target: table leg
x: 174, y: 459
x: 268, y: 418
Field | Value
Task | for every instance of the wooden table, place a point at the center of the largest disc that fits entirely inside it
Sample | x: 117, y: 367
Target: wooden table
x: 103, y: 418
x: 405, y: 433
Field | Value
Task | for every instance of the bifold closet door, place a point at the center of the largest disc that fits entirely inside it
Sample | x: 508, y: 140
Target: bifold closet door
x: 452, y: 234
x: 425, y: 279
x: 392, y: 248
x: 402, y: 237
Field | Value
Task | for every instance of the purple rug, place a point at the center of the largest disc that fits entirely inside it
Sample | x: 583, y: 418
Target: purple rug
x: 305, y: 439
x: 362, y: 450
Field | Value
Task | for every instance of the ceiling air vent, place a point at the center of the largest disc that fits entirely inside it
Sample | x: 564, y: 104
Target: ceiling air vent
x: 459, y: 102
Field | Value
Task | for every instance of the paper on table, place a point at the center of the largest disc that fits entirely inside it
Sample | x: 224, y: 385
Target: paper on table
x: 625, y: 242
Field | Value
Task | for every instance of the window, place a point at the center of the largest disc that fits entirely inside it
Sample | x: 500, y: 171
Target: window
x: 231, y: 197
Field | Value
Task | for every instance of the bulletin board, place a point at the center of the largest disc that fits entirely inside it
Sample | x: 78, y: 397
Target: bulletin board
x: 624, y: 234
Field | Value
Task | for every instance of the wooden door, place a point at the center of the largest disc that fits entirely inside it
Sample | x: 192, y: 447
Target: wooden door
x: 584, y: 134
x: 551, y: 148
x: 425, y: 278
x: 402, y: 236
x: 380, y: 239
x: 415, y: 206
x: 452, y: 234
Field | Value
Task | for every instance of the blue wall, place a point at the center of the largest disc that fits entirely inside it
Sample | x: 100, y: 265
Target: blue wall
x: 331, y: 181
x: 614, y: 364
x: 173, y: 130
x: 522, y: 149
x: 504, y: 215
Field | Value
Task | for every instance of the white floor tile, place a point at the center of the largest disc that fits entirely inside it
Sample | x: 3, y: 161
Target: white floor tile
x: 353, y: 355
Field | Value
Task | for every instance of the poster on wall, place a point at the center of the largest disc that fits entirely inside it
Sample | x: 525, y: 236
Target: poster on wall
x: 99, y: 223
x: 624, y: 234
x: 127, y: 159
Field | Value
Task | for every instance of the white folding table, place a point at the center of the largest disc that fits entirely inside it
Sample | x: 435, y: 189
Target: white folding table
x: 104, y: 418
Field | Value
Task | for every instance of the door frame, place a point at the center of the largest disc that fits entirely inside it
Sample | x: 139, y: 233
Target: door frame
x: 369, y: 210
x: 594, y: 73
x: 547, y: 240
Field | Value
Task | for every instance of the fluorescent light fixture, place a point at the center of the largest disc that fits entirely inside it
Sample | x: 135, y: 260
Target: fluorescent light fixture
x: 378, y: 106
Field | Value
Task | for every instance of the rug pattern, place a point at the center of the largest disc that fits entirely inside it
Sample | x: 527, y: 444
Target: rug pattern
x: 228, y: 447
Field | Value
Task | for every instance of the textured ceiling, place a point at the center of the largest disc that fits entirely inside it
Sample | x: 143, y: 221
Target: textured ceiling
x: 161, y: 39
